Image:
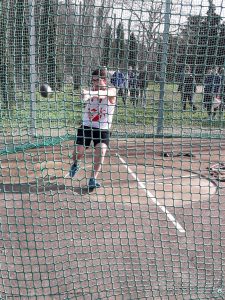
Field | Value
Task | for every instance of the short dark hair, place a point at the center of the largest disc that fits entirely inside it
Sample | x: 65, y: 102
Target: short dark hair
x: 101, y: 73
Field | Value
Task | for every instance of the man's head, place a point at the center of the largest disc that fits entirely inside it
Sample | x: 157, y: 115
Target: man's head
x: 99, y: 79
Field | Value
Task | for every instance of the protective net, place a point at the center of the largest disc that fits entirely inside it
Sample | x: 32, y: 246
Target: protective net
x: 155, y: 229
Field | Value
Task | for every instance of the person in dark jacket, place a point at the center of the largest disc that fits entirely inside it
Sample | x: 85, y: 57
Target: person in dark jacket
x: 212, y: 84
x: 142, y: 84
x: 133, y: 87
x: 187, y: 87
x: 119, y: 81
x: 222, y: 89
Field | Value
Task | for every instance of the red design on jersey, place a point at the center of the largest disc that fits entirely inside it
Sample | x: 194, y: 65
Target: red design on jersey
x: 96, y: 117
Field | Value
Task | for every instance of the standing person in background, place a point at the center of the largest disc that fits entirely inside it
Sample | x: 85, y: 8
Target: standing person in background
x: 119, y: 81
x: 127, y: 76
x: 222, y: 88
x: 212, y: 85
x: 143, y: 84
x: 133, y: 87
x: 96, y: 124
x: 187, y: 87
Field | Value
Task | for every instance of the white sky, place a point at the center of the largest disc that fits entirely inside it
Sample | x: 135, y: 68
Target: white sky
x: 181, y: 9
x: 195, y: 7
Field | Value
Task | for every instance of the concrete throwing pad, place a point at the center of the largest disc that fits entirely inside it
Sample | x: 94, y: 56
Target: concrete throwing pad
x: 24, y: 171
x: 128, y: 232
x: 176, y: 188
x: 170, y: 186
x: 121, y: 182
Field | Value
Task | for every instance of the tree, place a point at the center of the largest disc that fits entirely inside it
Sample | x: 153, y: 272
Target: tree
x: 84, y: 38
x: 21, y: 43
x: 221, y: 47
x: 106, y: 45
x: 132, y: 51
x: 148, y: 27
x: 120, y: 45
x: 47, y: 43
x: 103, y: 30
x: 200, y: 40
x: 213, y: 24
x: 6, y: 67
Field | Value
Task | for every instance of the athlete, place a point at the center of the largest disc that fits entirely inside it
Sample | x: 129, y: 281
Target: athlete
x: 100, y: 103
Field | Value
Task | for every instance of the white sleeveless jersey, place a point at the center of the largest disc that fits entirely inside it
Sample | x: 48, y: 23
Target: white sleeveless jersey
x: 98, y: 113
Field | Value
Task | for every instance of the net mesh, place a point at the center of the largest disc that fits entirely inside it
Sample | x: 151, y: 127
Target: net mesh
x: 155, y: 229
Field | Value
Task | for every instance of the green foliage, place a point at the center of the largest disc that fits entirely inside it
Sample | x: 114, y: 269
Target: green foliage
x: 200, y: 39
x: 132, y: 51
x: 120, y: 44
x: 6, y: 66
x: 200, y: 44
x: 21, y: 45
x: 47, y: 43
x: 106, y: 45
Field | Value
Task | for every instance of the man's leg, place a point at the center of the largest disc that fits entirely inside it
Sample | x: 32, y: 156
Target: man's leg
x: 84, y: 136
x: 208, y: 103
x: 184, y: 99
x: 143, y: 97
x: 124, y: 96
x: 136, y: 95
x: 132, y: 96
x: 99, y: 156
x: 209, y: 109
x: 77, y: 155
x: 190, y: 98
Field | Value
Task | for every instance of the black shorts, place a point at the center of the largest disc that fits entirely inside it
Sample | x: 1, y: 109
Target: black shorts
x: 87, y: 134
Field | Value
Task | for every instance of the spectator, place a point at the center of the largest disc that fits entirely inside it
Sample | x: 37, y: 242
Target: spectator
x: 187, y: 87
x: 118, y: 80
x: 222, y: 88
x: 133, y: 87
x: 126, y: 84
x: 212, y: 84
x: 96, y: 123
x: 143, y: 84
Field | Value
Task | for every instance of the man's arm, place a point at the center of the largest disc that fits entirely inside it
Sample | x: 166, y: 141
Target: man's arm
x: 110, y: 93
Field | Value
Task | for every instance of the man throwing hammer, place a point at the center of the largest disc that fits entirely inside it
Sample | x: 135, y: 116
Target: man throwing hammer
x: 96, y: 123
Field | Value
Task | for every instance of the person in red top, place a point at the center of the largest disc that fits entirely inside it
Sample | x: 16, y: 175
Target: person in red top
x: 100, y: 103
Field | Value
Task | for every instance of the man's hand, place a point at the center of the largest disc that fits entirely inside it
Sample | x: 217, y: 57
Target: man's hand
x: 85, y: 95
x: 110, y: 92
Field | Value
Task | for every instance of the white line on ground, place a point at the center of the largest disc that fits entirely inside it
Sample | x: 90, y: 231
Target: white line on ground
x: 149, y: 195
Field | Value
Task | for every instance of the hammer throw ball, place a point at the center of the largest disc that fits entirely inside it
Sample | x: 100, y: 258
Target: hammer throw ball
x: 45, y: 90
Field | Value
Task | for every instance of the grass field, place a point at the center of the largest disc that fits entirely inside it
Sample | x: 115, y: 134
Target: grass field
x: 64, y: 111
